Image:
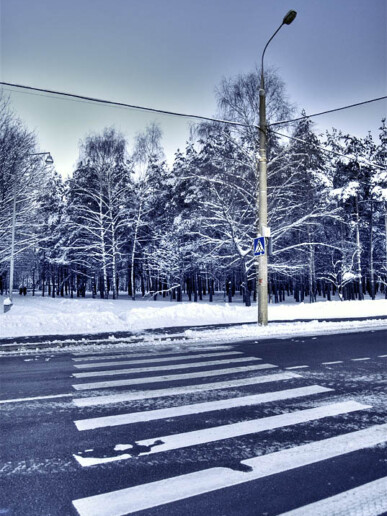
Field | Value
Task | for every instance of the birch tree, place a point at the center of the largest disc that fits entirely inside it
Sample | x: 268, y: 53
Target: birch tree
x: 379, y: 192
x: 97, y: 197
x: 147, y: 155
x: 21, y: 174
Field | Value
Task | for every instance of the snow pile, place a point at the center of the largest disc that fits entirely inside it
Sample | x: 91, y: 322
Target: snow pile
x: 283, y: 330
x: 328, y: 310
x: 188, y: 314
x: 47, y: 316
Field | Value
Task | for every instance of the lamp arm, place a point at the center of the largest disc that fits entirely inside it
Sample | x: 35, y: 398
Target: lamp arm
x: 263, y: 55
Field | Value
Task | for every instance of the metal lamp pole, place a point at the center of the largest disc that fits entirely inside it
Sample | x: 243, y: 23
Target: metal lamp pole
x: 48, y: 161
x: 262, y: 197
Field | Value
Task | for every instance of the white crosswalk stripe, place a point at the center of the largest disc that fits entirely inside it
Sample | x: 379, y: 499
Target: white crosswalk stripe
x: 198, y: 408
x: 169, y: 378
x: 136, y: 370
x: 142, y: 360
x: 119, y: 354
x: 178, y: 391
x: 168, y: 490
x: 367, y: 500
x: 130, y: 500
x: 210, y: 435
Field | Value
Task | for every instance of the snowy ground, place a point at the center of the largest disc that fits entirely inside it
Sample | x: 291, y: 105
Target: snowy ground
x: 46, y: 316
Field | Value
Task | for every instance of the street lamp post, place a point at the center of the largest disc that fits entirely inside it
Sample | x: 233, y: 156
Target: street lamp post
x: 263, y: 229
x: 9, y: 301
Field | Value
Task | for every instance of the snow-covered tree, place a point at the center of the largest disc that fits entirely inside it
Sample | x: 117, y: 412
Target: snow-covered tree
x: 97, y: 198
x: 52, y: 264
x: 21, y: 174
x: 379, y: 194
x: 144, y: 208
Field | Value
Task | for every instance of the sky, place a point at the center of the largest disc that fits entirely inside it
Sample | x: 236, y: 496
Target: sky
x: 171, y: 54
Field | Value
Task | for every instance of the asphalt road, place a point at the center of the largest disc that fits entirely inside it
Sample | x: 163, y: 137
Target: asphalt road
x: 252, y: 428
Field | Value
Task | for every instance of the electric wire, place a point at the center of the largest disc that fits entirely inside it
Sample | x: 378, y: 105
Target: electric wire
x: 281, y: 122
x: 73, y: 96
x: 331, y: 151
x: 185, y: 115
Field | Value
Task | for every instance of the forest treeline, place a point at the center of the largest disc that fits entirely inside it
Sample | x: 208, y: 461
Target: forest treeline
x: 128, y: 222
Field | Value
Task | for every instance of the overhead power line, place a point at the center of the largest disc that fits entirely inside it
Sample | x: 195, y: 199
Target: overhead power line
x: 74, y: 96
x: 328, y: 111
x: 178, y: 114
x: 331, y: 151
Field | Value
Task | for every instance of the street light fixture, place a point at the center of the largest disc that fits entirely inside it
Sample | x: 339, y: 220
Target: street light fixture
x: 263, y: 229
x: 48, y: 160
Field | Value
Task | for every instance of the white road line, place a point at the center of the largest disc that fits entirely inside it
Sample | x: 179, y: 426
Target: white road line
x: 198, y: 408
x: 382, y: 356
x: 116, y: 355
x: 157, y: 360
x: 360, y: 359
x: 168, y: 490
x: 177, y: 391
x: 297, y: 367
x: 218, y: 433
x: 366, y: 500
x: 119, y: 354
x: 17, y: 400
x: 331, y: 363
x: 191, y: 365
x: 172, y: 377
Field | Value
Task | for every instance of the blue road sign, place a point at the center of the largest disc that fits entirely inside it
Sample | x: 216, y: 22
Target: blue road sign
x: 259, y: 246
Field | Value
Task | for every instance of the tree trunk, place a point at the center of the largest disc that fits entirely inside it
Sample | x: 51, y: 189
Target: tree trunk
x: 385, y: 225
x: 12, y: 264
x: 104, y: 290
x: 195, y: 288
x: 358, y: 249
x: 136, y: 227
x: 33, y: 282
x: 211, y: 290
x: 372, y: 273
x: 114, y: 243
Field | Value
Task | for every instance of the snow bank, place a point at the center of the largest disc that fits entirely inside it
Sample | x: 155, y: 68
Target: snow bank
x: 47, y: 316
x: 283, y: 330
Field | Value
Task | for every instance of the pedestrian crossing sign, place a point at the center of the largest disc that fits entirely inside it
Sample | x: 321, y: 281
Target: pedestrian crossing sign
x: 259, y: 246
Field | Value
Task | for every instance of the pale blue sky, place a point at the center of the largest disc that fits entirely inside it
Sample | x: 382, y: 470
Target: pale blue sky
x: 171, y: 54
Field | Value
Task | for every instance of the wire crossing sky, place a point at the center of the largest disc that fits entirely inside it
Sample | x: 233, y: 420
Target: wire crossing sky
x: 72, y: 96
x: 172, y: 54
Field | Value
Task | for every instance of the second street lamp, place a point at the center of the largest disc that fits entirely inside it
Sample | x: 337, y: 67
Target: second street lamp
x: 48, y: 160
x: 9, y: 301
x: 263, y: 230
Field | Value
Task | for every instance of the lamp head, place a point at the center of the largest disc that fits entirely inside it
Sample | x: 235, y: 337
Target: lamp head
x: 49, y: 160
x: 289, y: 17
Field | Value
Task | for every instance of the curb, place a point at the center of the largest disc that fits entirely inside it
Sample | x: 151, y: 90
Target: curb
x: 161, y: 334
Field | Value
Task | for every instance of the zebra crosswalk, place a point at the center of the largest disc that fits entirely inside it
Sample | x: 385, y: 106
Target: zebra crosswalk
x: 240, y: 384
x: 172, y: 377
x: 191, y: 365
x: 197, y: 408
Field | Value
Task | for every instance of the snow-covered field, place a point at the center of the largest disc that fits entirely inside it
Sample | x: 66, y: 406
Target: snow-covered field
x: 47, y: 316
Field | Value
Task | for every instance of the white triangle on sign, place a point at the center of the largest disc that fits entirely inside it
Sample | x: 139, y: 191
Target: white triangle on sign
x: 259, y: 247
